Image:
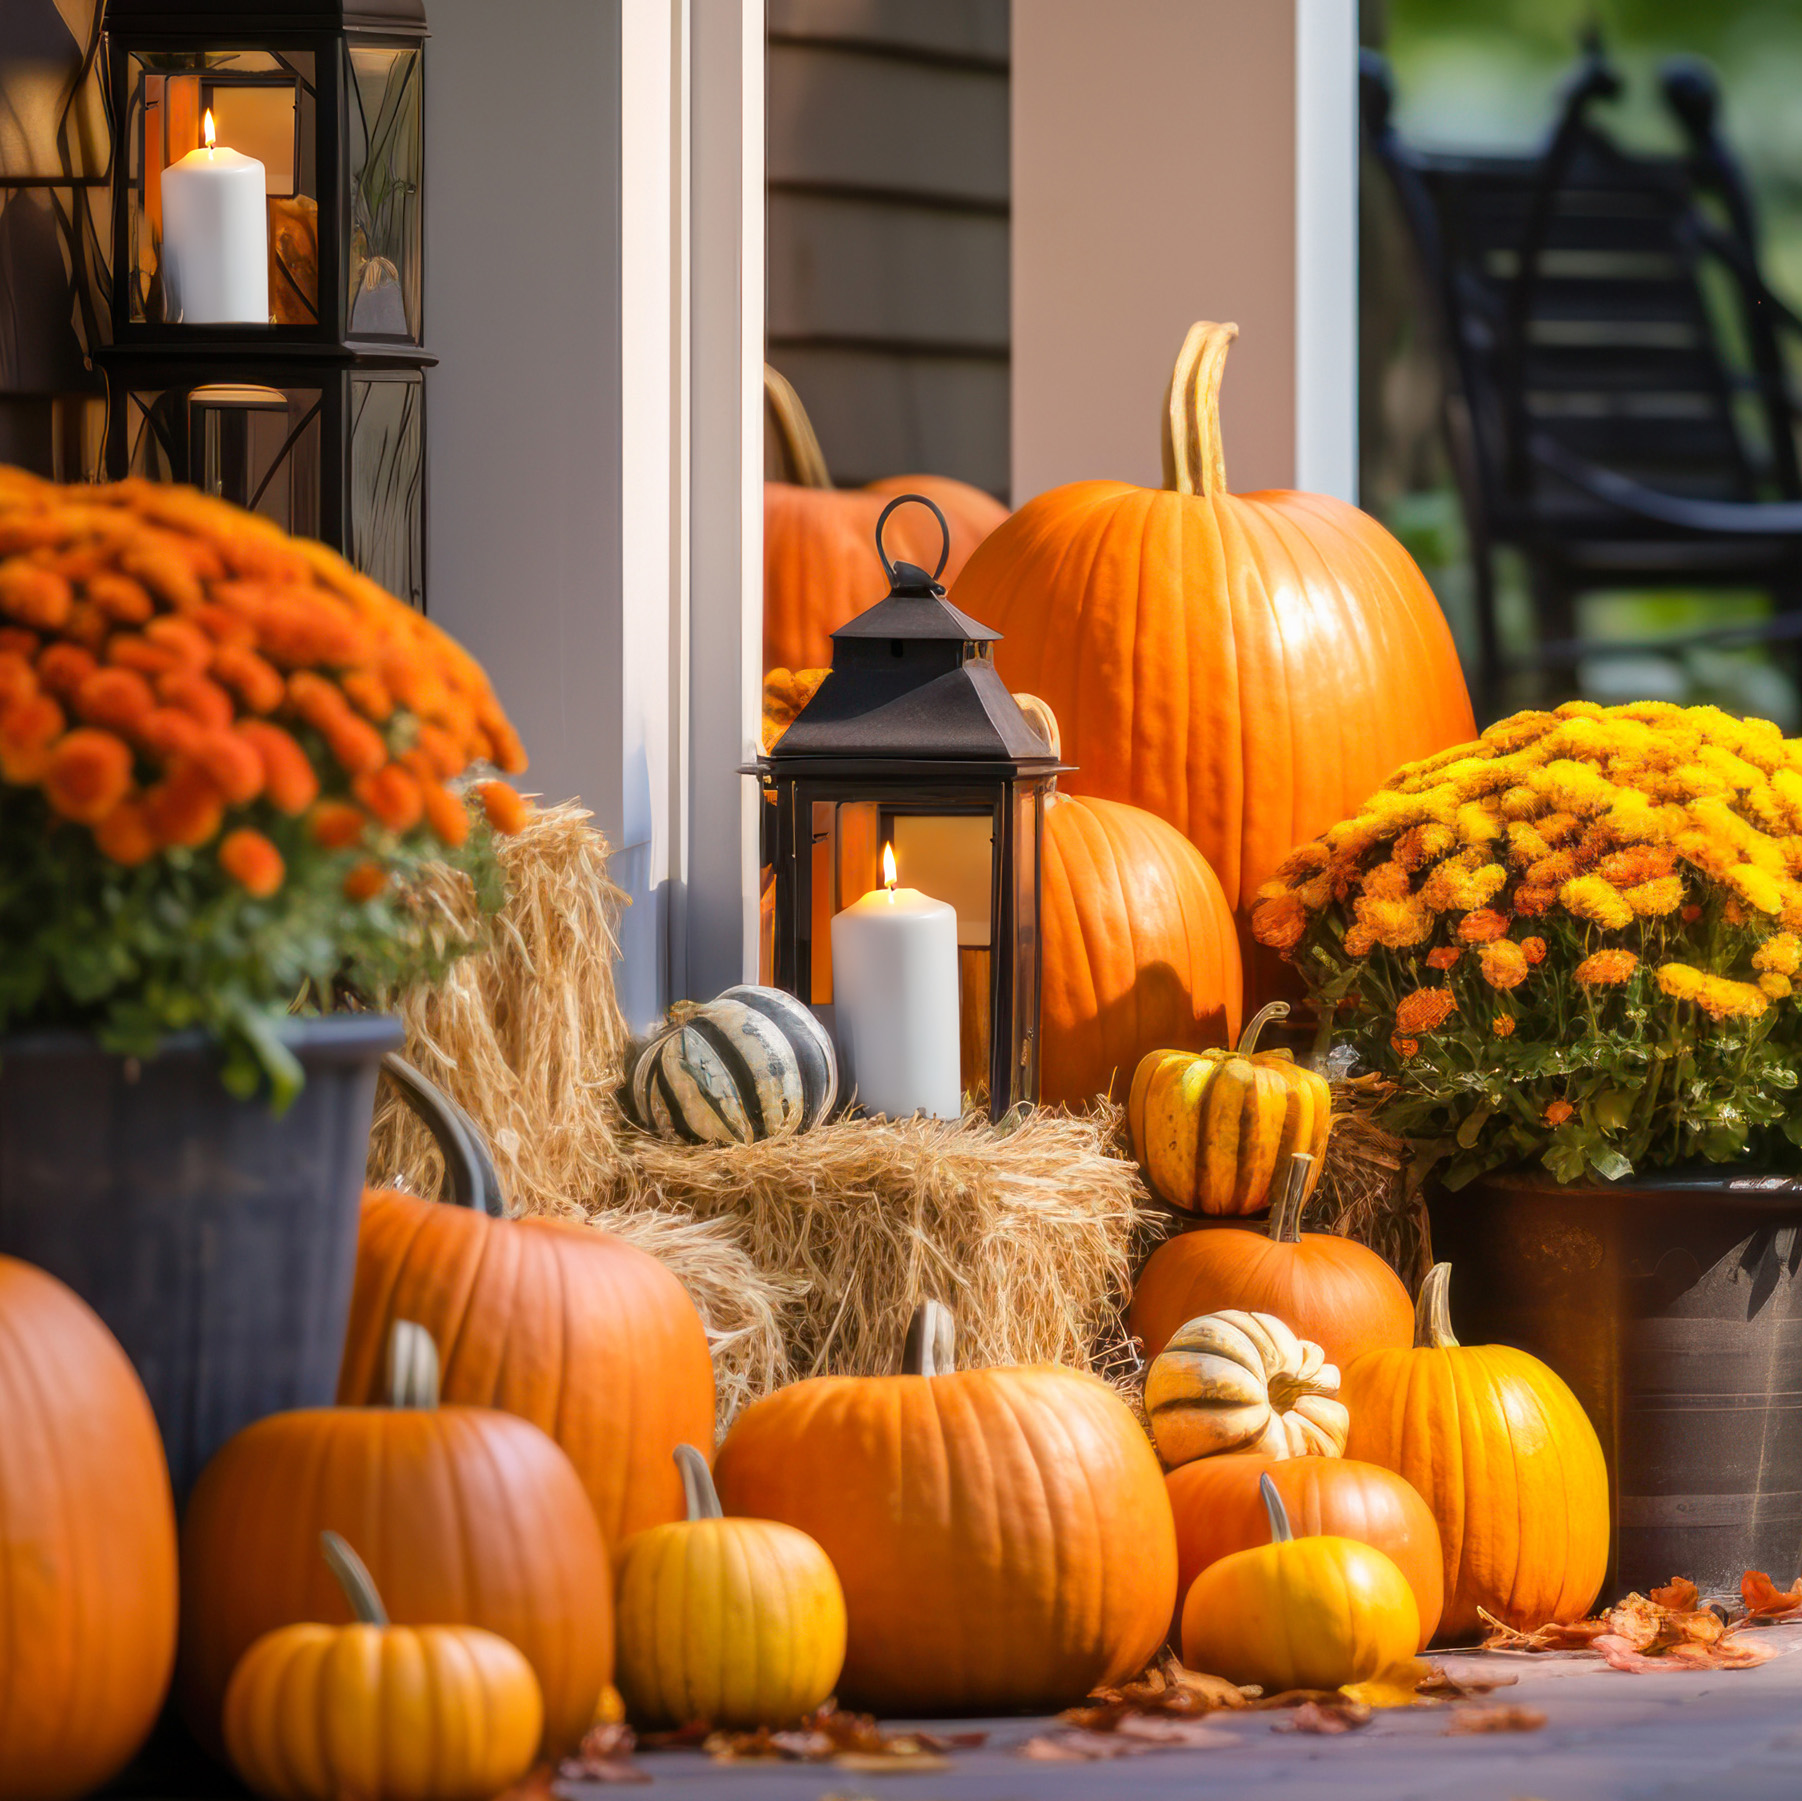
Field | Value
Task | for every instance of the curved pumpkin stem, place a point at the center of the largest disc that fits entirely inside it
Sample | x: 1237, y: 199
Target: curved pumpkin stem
x: 413, y: 1373
x: 931, y: 1348
x: 699, y: 1495
x: 1194, y: 458
x: 794, y: 432
x: 1433, y: 1311
x: 354, y: 1578
x: 1281, y: 1532
x: 1285, y: 1216
x: 1248, y: 1039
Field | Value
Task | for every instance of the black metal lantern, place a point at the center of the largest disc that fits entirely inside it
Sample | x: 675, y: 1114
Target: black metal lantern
x: 315, y: 417
x: 914, y: 739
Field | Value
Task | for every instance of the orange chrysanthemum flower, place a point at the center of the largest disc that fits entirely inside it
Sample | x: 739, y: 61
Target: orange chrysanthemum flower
x: 1502, y: 964
x: 1405, y: 1048
x: 356, y: 744
x: 507, y: 811
x: 391, y: 797
x: 233, y: 763
x: 1444, y: 956
x: 337, y: 825
x: 1533, y: 949
x: 185, y: 807
x: 62, y: 668
x: 252, y: 862
x: 365, y: 882
x: 257, y: 684
x: 288, y: 778
x: 1502, y: 1025
x: 1483, y: 926
x: 119, y: 699
x: 1278, y: 922
x: 1557, y: 1112
x: 1424, y: 1010
x: 88, y: 774
x: 34, y: 596
x: 1605, y: 969
x: 126, y: 836
x: 169, y: 734
x: 28, y: 728
x: 191, y: 692
x: 445, y: 814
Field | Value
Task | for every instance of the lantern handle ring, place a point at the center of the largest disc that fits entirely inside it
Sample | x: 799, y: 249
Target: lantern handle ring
x: 901, y: 500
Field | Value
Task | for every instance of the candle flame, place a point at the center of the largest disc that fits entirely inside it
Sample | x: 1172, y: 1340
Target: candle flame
x: 208, y: 127
x: 888, y: 867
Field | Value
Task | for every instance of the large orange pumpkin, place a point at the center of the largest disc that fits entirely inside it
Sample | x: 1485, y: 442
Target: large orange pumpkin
x: 464, y: 1515
x: 1332, y: 1290
x: 1505, y: 1456
x: 819, y: 542
x: 1139, y: 944
x: 1249, y: 667
x: 87, y: 1546
x: 1003, y: 1535
x: 573, y: 1329
x: 1219, y: 1510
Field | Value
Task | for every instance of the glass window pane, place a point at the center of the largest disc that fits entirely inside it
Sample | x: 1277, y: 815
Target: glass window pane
x: 386, y: 148
x: 387, y: 482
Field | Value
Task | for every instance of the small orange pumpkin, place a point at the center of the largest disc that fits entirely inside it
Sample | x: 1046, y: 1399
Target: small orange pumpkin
x: 1332, y: 1290
x: 819, y: 542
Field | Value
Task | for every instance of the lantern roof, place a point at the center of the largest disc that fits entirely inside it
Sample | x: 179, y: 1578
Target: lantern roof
x: 912, y: 680
x: 253, y: 16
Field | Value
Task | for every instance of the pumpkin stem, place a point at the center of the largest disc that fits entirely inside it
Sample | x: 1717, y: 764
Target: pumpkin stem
x: 795, y: 435
x: 931, y: 1348
x: 1281, y: 1532
x: 1433, y: 1311
x: 354, y: 1578
x: 698, y: 1493
x: 412, y: 1366
x: 1194, y: 458
x: 1285, y: 1216
x: 1248, y: 1039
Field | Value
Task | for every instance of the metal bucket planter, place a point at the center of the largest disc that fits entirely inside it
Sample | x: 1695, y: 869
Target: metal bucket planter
x: 1673, y: 1307
x: 217, y: 1241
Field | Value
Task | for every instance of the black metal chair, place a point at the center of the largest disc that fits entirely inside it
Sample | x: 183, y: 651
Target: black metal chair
x: 1609, y: 414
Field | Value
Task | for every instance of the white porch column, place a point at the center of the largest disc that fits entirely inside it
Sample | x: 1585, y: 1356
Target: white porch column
x: 1176, y: 160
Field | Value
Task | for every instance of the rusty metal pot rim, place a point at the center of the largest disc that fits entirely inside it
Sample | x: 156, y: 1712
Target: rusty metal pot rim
x: 1739, y: 1184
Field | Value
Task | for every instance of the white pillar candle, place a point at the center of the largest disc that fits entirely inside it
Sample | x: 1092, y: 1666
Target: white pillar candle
x: 215, y: 252
x: 894, y: 987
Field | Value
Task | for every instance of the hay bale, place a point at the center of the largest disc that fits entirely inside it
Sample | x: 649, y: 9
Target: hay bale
x: 1365, y: 1189
x: 803, y: 1254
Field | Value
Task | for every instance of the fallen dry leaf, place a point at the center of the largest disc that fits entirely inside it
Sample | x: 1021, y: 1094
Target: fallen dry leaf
x: 1168, y: 1689
x: 1397, y: 1686
x: 1326, y: 1717
x: 1495, y: 1719
x: 1679, y: 1594
x: 1764, y: 1599
x: 1134, y: 1736
x: 604, y: 1755
x: 1554, y: 1635
x: 1727, y: 1654
x: 1445, y: 1685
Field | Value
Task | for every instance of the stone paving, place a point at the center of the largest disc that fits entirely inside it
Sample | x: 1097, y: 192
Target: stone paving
x: 1719, y: 1736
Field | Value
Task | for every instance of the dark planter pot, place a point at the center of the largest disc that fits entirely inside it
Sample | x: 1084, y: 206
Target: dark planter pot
x: 1673, y: 1308
x: 217, y: 1241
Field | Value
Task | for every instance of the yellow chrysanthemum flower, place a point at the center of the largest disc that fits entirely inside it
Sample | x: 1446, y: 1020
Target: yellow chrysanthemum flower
x: 1719, y: 998
x: 1503, y: 963
x: 1605, y: 968
x: 1589, y: 897
x: 1777, y: 987
x: 1756, y: 887
x: 1652, y: 900
x: 1781, y: 955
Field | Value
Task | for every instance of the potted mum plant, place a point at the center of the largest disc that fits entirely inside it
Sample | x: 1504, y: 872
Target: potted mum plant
x: 1571, y: 947
x: 223, y: 755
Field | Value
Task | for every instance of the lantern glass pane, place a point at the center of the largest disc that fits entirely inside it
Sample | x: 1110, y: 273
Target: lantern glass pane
x: 264, y: 103
x: 257, y: 447
x: 387, y: 482
x: 386, y: 151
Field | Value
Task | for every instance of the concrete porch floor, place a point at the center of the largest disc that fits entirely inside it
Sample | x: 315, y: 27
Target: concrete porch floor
x: 1608, y: 1736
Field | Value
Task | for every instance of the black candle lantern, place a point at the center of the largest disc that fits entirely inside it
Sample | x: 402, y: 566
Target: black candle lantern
x: 316, y: 416
x: 913, y: 741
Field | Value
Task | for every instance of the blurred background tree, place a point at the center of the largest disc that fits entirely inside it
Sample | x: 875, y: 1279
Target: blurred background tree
x: 1485, y: 76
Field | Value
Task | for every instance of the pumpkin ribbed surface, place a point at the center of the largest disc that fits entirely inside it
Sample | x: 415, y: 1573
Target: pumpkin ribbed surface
x: 464, y: 1516
x: 1249, y: 667
x: 582, y: 1334
x: 87, y: 1546
x: 1139, y: 948
x: 1003, y: 1536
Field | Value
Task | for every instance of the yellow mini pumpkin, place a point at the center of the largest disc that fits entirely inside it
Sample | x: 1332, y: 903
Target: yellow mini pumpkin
x: 1237, y: 1381
x: 382, y: 1712
x: 1214, y: 1131
x: 1299, y: 1612
x: 740, y: 1623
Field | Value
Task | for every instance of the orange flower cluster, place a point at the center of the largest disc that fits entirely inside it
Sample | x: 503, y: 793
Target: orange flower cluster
x: 1593, y: 823
x: 166, y: 659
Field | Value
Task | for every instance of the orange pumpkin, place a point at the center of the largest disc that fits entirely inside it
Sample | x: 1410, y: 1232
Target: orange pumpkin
x: 87, y: 1546
x: 465, y: 1516
x: 1505, y: 1456
x: 1219, y: 1510
x: 1139, y: 944
x: 1248, y: 667
x: 1003, y: 1535
x: 1332, y: 1290
x: 573, y: 1329
x: 819, y: 542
